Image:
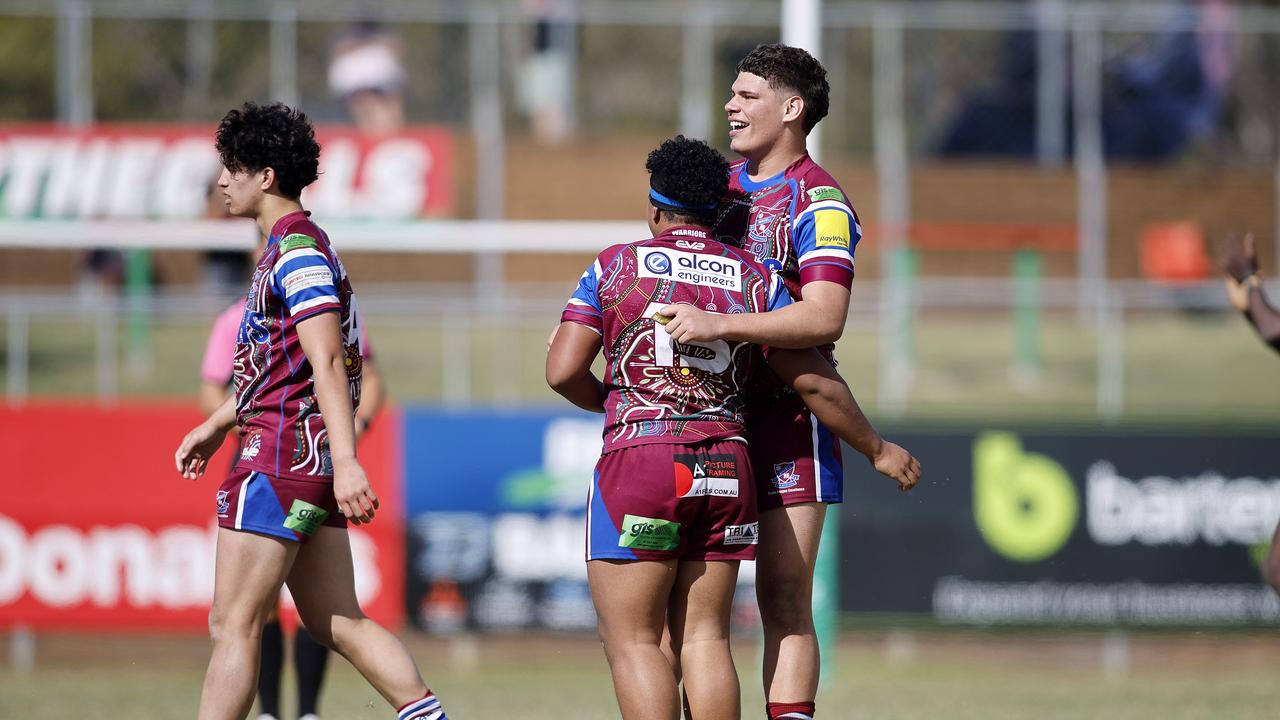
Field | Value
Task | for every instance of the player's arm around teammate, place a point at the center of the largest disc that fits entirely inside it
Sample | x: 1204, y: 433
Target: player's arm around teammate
x: 828, y: 397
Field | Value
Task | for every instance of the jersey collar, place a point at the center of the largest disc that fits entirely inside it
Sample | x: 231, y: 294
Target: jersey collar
x: 283, y: 222
x: 753, y: 185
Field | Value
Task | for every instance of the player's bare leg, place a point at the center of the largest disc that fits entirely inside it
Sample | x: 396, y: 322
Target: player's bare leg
x: 785, y: 561
x: 631, y: 598
x: 1273, y: 562
x: 323, y: 586
x: 700, y: 609
x: 248, y: 574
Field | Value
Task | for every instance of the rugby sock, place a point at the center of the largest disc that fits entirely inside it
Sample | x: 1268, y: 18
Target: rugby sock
x: 790, y: 711
x: 428, y: 708
x: 310, y: 659
x: 269, y: 669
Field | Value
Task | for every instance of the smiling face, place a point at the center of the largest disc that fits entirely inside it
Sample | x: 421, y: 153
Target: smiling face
x: 243, y: 190
x: 758, y: 115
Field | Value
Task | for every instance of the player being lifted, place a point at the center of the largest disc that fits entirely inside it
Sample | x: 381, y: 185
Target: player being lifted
x: 283, y: 512
x: 793, y: 216
x: 672, y: 507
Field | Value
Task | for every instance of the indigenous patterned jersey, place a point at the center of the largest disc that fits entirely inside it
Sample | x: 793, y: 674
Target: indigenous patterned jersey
x: 661, y: 391
x: 798, y: 223
x: 298, y: 276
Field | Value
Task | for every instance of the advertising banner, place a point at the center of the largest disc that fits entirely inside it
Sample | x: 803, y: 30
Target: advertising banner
x: 129, y: 172
x: 98, y: 531
x: 497, y: 505
x: 1033, y: 528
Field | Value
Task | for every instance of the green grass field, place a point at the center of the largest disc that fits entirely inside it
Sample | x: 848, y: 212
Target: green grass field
x: 1198, y: 370
x: 933, y: 674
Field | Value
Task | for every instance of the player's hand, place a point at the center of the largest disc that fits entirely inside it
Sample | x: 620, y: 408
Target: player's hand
x: 895, y: 463
x: 552, y: 337
x: 192, y: 457
x: 351, y: 489
x: 690, y: 324
x: 1238, y: 294
x: 1239, y: 257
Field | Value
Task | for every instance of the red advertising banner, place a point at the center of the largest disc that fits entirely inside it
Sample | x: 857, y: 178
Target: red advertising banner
x: 98, y: 531
x: 130, y: 172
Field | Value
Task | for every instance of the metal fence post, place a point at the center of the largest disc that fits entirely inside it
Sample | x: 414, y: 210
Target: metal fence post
x: 1091, y: 164
x: 75, y: 62
x: 698, y: 70
x: 284, y: 51
x: 455, y: 357
x: 199, y: 59
x: 485, y: 45
x: 893, y: 176
x: 107, y: 349
x: 1051, y: 82
x: 1110, y: 314
x: 17, y: 374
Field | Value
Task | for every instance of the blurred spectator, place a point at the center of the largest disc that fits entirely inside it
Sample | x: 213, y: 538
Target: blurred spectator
x: 1157, y: 97
x: 367, y: 72
x: 544, y: 83
x: 225, y: 271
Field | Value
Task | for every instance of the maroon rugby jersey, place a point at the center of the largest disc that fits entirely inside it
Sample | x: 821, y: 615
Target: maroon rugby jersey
x: 798, y: 224
x: 297, y: 277
x: 661, y: 391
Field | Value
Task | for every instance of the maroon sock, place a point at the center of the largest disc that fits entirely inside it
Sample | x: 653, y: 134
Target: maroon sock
x: 790, y: 711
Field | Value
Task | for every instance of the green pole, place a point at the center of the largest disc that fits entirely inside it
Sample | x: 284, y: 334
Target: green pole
x: 1028, y: 271
x: 826, y: 593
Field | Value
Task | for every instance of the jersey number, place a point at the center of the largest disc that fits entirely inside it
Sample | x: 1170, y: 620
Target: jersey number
x: 712, y: 357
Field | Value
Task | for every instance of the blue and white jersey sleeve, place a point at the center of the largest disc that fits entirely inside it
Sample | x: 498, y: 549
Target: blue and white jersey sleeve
x: 305, y: 278
x: 826, y: 232
x: 778, y: 295
x: 584, y: 305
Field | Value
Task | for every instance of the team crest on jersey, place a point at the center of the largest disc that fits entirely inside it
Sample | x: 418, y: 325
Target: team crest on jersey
x: 785, y: 475
x: 252, y: 446
x: 223, y: 506
x: 762, y: 224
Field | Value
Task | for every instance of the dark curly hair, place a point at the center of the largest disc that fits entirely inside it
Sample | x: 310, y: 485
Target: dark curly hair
x: 691, y: 173
x: 254, y: 137
x: 790, y: 67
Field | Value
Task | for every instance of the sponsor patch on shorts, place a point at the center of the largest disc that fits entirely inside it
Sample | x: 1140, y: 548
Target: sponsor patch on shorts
x: 706, y: 475
x: 644, y: 533
x: 748, y: 534
x: 304, y: 517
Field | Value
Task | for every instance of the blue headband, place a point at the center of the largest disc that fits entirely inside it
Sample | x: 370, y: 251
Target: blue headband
x: 655, y: 195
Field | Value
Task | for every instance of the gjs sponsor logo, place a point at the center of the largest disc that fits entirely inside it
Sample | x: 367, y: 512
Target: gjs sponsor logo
x: 645, y: 533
